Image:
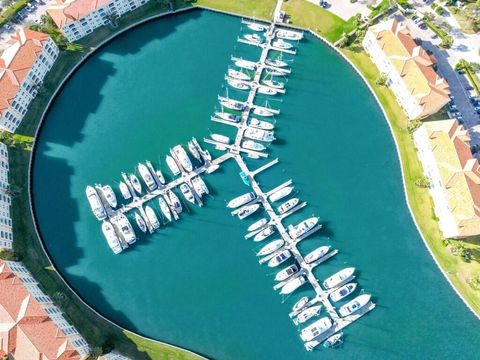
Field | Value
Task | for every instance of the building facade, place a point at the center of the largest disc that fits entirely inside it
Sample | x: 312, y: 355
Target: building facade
x: 444, y: 150
x: 6, y: 235
x: 32, y: 326
x: 410, y: 72
x: 78, y: 18
x: 23, y: 66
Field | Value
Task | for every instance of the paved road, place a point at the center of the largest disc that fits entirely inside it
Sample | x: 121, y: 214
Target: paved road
x: 456, y: 82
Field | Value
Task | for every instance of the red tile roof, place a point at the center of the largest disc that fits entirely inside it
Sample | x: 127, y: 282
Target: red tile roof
x: 64, y: 12
x: 28, y: 333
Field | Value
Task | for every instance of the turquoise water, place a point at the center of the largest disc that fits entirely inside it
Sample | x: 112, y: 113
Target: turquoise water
x: 197, y: 283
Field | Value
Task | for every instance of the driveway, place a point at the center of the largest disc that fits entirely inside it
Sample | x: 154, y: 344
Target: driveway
x: 33, y: 15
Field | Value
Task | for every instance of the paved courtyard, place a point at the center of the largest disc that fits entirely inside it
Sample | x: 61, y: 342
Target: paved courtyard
x: 345, y: 9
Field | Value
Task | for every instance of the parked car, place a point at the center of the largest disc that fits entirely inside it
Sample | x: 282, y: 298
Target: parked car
x: 468, y: 87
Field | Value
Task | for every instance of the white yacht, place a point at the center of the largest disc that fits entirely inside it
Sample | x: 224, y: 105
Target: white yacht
x: 247, y: 210
x: 260, y: 124
x: 147, y: 176
x: 287, y: 205
x: 302, y: 228
x: 354, y: 305
x: 265, y: 233
x: 232, y: 104
x: 238, y: 84
x: 316, y: 254
x: 220, y: 138
x: 262, y: 112
x: 284, y: 274
x: 157, y: 174
x: 95, y: 203
x: 282, y: 44
x: 108, y: 194
x: 152, y: 217
x: 316, y: 329
x: 254, y: 38
x: 140, y: 222
x: 279, y: 258
x: 246, y: 64
x: 175, y: 201
x: 227, y: 116
x: 271, y: 247
x: 238, y: 75
x: 281, y: 193
x: 274, y: 84
x: 135, y: 183
x: 293, y: 285
x: 275, y: 62
x: 257, y: 225
x: 199, y: 186
x: 171, y: 206
x: 112, y: 237
x: 124, y: 190
x: 333, y: 340
x: 194, y: 151
x: 252, y: 145
x: 343, y: 291
x: 265, y: 90
x: 125, y: 228
x: 259, y: 134
x: 299, y: 305
x: 241, y: 200
x: 257, y: 27
x: 339, y: 278
x: 164, y: 207
x: 277, y: 72
x: 187, y: 193
x: 182, y: 156
x: 307, y: 314
x: 172, y: 164
x: 289, y: 35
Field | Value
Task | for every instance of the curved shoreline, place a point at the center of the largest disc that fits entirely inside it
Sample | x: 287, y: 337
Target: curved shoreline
x: 31, y: 162
x: 154, y: 17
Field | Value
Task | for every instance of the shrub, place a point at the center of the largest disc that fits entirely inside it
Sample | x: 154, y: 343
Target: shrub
x: 423, y: 182
x: 12, y: 11
x: 474, y: 282
x: 8, y: 255
x: 413, y: 125
x: 439, y: 10
x: 381, y: 80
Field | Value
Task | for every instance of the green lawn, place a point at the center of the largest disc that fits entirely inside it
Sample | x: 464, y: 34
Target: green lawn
x: 307, y: 15
x: 261, y: 9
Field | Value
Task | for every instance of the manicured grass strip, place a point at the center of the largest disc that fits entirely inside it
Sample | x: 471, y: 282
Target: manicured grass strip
x: 12, y: 10
x: 260, y: 9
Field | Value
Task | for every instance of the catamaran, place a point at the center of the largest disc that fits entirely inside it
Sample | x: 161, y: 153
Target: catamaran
x: 354, y: 305
x: 95, y: 203
x: 147, y: 177
x: 302, y: 228
x: 279, y: 258
x: 238, y: 75
x: 316, y: 254
x: 260, y: 124
x: 265, y: 233
x: 135, y: 183
x: 187, y: 193
x: 182, y: 157
x: 307, y: 314
x: 108, y: 194
x: 241, y: 200
x: 284, y: 274
x: 125, y: 228
x: 339, y: 278
x: 293, y: 285
x: 238, y: 84
x: 140, y: 222
x: 316, y: 329
x: 227, y: 116
x: 343, y: 291
x: 271, y: 247
x: 247, y: 210
x: 289, y: 204
x: 124, y: 190
x: 280, y: 194
x: 112, y: 238
x: 152, y: 217
x: 259, y: 134
x: 172, y: 164
x: 282, y: 44
x: 164, y: 207
x: 252, y: 145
